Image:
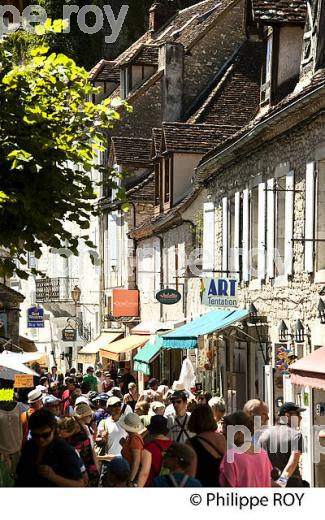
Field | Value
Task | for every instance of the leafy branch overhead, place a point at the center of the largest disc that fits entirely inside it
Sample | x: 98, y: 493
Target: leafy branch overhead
x: 50, y: 134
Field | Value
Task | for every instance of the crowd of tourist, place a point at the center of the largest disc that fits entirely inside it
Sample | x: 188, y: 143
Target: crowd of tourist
x: 96, y: 429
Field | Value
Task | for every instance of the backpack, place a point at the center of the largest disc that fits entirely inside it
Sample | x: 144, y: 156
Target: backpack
x: 174, y: 481
x: 163, y: 471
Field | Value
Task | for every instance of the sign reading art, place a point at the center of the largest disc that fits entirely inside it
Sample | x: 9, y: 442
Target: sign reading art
x: 219, y: 292
x: 168, y: 296
x: 35, y: 318
x: 125, y: 303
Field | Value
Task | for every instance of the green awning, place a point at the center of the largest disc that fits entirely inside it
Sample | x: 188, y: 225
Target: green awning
x: 186, y: 337
x: 145, y: 356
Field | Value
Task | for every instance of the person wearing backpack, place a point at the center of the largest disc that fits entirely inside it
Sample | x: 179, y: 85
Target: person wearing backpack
x: 152, y: 454
x: 177, y: 459
x: 178, y: 421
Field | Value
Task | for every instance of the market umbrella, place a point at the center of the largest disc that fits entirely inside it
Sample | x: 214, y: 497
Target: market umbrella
x: 12, y: 364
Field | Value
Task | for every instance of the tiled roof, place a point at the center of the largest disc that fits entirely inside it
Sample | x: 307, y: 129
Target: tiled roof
x: 148, y: 55
x: 235, y: 98
x: 193, y: 138
x: 279, y: 11
x: 156, y: 138
x: 302, y: 90
x: 105, y: 71
x: 132, y: 150
x: 185, y: 27
x: 173, y: 216
x: 144, y: 190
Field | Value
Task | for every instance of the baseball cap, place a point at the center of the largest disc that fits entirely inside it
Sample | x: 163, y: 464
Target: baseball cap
x: 112, y: 401
x: 120, y: 468
x: 290, y: 407
x: 101, y: 397
x: 82, y: 399
x: 179, y: 394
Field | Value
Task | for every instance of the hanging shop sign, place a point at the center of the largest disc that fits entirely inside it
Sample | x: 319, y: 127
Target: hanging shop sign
x: 168, y: 296
x: 125, y: 303
x: 24, y: 381
x: 35, y: 318
x: 219, y: 292
x: 69, y: 334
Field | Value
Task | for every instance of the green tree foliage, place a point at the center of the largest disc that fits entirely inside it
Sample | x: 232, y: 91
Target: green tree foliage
x: 50, y: 134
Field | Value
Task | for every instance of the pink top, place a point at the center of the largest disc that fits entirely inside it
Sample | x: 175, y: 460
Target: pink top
x: 246, y: 470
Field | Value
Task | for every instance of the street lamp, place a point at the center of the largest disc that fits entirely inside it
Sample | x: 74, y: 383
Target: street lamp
x: 299, y: 332
x: 321, y: 310
x: 283, y: 331
x: 76, y: 294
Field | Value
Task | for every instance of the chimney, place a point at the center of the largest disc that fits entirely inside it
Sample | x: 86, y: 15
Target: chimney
x: 160, y: 12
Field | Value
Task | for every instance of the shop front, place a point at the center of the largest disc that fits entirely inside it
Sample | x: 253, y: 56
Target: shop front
x: 308, y: 389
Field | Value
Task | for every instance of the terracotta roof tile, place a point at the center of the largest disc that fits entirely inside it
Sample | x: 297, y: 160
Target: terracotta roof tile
x: 156, y: 138
x: 279, y: 11
x: 148, y: 55
x: 132, y: 150
x: 235, y: 98
x: 302, y: 90
x: 193, y: 138
x: 105, y: 71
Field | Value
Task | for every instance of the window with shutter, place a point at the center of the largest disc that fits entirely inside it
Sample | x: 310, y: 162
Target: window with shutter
x: 309, y: 217
x: 237, y: 234
x: 245, y: 244
x: 270, y: 228
x: 254, y: 232
x: 208, y: 238
x: 289, y: 203
x: 280, y: 225
x: 261, y: 230
x: 320, y: 217
x: 225, y: 232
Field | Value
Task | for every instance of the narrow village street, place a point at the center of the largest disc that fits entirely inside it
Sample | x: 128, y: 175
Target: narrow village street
x: 184, y: 345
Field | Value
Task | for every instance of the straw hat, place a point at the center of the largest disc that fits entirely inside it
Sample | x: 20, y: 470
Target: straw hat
x: 82, y: 410
x: 131, y: 423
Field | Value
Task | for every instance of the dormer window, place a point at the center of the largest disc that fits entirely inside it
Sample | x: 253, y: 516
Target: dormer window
x: 267, y: 70
x: 132, y: 76
x: 282, y: 62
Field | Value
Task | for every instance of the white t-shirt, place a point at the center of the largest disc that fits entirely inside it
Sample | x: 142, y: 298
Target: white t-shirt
x: 115, y: 434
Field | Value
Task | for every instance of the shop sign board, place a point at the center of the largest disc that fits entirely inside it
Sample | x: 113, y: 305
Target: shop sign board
x: 220, y: 292
x: 35, y: 318
x: 168, y: 296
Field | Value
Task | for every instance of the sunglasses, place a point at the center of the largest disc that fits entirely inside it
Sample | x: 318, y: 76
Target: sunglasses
x: 45, y: 435
x: 179, y: 401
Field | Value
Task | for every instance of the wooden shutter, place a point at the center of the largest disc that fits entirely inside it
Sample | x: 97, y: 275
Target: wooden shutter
x: 261, y: 231
x: 309, y: 217
x: 289, y: 202
x: 112, y: 239
x: 237, y: 235
x: 208, y: 238
x: 270, y: 228
x: 246, y: 235
x: 225, y: 235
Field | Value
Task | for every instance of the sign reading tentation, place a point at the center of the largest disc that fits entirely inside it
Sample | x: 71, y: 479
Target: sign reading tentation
x: 219, y: 292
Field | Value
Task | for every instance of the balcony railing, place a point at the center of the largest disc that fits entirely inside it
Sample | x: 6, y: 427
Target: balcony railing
x: 55, y: 289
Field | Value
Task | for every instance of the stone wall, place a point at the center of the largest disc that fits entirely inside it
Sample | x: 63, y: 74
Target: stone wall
x: 297, y: 296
